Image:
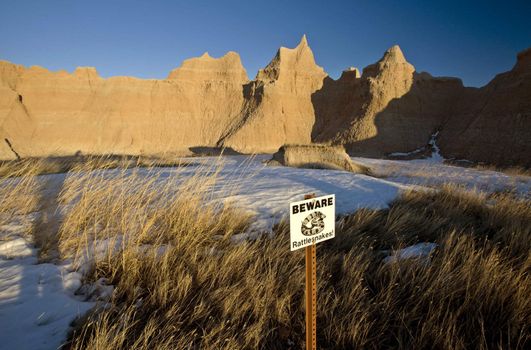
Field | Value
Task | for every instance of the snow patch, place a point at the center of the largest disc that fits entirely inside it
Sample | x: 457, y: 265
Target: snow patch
x: 37, y: 301
x: 265, y: 192
x: 405, y: 154
x: 436, y: 153
x: 420, y: 250
x: 16, y: 248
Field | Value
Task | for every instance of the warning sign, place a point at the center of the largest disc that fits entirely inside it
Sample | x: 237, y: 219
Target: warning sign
x: 312, y: 221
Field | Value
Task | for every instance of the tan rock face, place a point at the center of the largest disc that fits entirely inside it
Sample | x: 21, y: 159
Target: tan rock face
x: 209, y: 102
x: 317, y: 157
x: 278, y: 107
x: 44, y: 113
x: 15, y: 121
x: 205, y: 68
x: 388, y: 79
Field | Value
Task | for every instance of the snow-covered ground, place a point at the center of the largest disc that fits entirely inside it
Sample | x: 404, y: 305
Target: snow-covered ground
x: 266, y: 191
x: 37, y: 301
x: 427, y: 172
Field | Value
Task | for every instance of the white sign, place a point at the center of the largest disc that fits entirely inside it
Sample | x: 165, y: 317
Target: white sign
x: 312, y: 221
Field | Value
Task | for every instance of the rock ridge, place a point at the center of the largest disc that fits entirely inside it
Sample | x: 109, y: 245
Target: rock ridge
x: 210, y: 102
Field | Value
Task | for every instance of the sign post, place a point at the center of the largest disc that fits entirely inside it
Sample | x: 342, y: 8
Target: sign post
x: 311, y: 221
x: 311, y: 298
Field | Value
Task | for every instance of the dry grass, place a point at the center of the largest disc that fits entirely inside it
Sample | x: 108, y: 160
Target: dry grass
x: 516, y: 171
x: 142, y: 209
x: 181, y: 283
x: 56, y: 165
x: 19, y: 195
x: 207, y: 295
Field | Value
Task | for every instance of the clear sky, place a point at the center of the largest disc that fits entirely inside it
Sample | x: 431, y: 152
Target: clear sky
x: 473, y: 40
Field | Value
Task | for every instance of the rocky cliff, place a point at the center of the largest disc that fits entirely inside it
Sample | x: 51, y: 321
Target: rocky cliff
x: 44, y: 113
x: 278, y: 107
x: 390, y: 108
x: 209, y: 102
x: 493, y: 123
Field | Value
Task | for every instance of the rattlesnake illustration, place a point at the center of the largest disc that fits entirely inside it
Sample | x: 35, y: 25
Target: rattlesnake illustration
x: 313, y: 224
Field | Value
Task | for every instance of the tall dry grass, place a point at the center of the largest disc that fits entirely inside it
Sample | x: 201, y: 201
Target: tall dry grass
x: 206, y: 293
x: 182, y: 283
x: 142, y: 207
x: 515, y: 171
x: 19, y: 196
x: 58, y: 165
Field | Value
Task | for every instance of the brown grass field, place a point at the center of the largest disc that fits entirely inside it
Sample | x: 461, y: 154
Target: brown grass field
x: 180, y: 282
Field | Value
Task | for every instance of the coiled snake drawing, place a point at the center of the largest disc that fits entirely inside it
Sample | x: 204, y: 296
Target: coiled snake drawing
x: 313, y: 224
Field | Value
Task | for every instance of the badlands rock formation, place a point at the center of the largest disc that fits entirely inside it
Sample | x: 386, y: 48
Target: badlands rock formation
x: 390, y: 108
x: 44, y: 113
x: 278, y: 107
x: 493, y: 124
x: 209, y: 102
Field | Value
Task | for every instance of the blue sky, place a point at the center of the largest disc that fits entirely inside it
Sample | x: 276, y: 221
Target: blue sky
x: 473, y: 40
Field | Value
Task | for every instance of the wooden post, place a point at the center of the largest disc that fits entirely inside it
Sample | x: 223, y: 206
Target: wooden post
x: 311, y: 298
x: 311, y: 294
